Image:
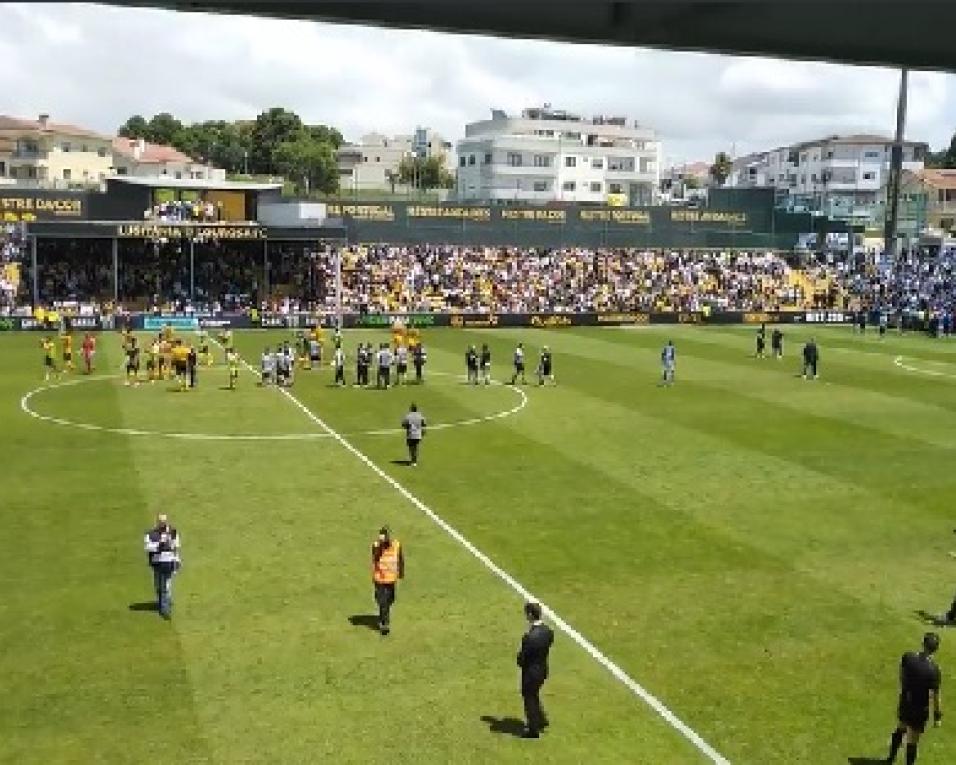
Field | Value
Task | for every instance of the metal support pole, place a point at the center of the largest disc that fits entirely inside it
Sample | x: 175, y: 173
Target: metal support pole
x: 265, y: 269
x: 192, y: 270
x: 338, y: 288
x: 890, y: 244
x: 115, y: 247
x: 36, y: 279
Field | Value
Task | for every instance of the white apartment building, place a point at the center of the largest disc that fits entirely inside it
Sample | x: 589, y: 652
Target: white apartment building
x: 842, y: 176
x: 372, y: 163
x: 548, y: 155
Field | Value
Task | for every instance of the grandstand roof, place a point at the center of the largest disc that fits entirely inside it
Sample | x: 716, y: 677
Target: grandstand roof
x: 166, y: 182
x: 851, y: 31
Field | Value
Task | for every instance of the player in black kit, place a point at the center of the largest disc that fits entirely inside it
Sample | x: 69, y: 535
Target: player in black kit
x: 545, y: 370
x: 485, y: 363
x: 419, y: 357
x: 776, y: 343
x: 761, y: 342
x: 919, y: 686
x: 471, y: 365
x: 810, y: 358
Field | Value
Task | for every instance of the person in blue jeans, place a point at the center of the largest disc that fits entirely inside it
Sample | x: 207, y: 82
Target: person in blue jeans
x: 162, y: 550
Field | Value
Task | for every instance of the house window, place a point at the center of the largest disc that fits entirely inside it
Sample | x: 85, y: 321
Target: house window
x: 67, y: 173
x: 569, y: 186
x: 179, y: 175
x: 121, y: 171
x: 570, y: 161
x: 84, y: 148
x: 66, y: 147
x: 488, y: 158
x: 830, y: 154
x: 540, y: 185
x: 378, y: 159
x: 625, y: 164
x: 462, y: 161
x: 101, y: 151
x: 542, y: 160
x: 597, y: 164
x: 615, y: 188
x: 596, y: 187
x: 869, y: 176
x: 514, y: 159
x: 31, y: 172
x: 871, y: 155
x: 471, y: 159
x: 3, y: 169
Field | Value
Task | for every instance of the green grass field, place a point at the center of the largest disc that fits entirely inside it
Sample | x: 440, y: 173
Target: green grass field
x: 749, y: 547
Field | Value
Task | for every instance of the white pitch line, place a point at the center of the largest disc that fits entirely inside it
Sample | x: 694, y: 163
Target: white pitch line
x: 638, y: 690
x: 933, y: 372
x: 26, y: 406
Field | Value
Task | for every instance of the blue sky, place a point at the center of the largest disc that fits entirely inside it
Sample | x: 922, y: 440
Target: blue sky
x: 95, y: 65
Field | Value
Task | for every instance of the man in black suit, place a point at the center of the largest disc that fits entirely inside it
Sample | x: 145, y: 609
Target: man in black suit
x: 533, y: 660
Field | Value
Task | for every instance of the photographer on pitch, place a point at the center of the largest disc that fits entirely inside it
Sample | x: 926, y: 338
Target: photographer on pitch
x: 162, y: 551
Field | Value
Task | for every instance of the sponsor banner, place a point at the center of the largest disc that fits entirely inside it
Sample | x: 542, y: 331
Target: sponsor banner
x: 175, y: 322
x: 388, y: 320
x: 379, y: 213
x: 825, y: 317
x: 623, y: 318
x: 207, y: 232
x: 31, y: 206
x: 537, y: 213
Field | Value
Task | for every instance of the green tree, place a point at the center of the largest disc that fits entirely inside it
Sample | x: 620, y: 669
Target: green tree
x: 163, y: 128
x: 425, y: 173
x: 272, y: 128
x: 309, y: 164
x: 326, y: 134
x: 721, y: 168
x: 135, y: 127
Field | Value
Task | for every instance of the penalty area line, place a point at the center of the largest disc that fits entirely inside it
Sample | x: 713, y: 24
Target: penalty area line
x: 619, y: 674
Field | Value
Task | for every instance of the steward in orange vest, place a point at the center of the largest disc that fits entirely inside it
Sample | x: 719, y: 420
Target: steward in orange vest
x: 388, y: 566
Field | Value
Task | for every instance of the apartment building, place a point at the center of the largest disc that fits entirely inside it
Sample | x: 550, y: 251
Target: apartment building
x: 548, y: 155
x: 52, y: 154
x: 843, y: 177
x: 372, y: 163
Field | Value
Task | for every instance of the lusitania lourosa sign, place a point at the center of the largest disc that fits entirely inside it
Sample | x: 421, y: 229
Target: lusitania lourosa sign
x: 30, y: 208
x: 188, y: 231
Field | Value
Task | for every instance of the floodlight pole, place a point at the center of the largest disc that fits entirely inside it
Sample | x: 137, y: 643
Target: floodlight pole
x: 338, y: 288
x: 115, y: 247
x: 36, y: 278
x: 890, y: 243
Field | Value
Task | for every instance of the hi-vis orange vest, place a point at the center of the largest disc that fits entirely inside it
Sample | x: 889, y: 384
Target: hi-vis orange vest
x: 386, y: 567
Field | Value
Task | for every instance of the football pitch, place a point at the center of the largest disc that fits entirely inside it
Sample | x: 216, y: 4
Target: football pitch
x: 751, y: 548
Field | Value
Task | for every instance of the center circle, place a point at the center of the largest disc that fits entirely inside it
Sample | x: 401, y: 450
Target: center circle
x: 28, y: 406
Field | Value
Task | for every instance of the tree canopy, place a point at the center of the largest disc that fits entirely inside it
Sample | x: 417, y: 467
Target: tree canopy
x: 277, y: 142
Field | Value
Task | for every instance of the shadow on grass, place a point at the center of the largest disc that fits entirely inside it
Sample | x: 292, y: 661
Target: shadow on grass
x: 866, y: 760
x: 934, y: 620
x: 403, y: 463
x: 504, y: 726
x: 369, y: 621
x: 144, y: 606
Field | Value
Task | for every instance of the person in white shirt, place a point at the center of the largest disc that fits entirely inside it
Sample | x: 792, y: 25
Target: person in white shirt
x: 162, y: 545
x: 338, y: 360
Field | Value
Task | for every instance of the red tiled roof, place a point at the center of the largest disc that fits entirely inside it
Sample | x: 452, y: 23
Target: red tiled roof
x: 15, y: 123
x: 938, y: 178
x: 152, y: 154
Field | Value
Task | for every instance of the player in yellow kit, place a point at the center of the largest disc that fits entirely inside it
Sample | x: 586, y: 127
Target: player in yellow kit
x: 152, y: 361
x: 66, y: 339
x: 232, y: 360
x: 49, y: 360
x: 180, y: 356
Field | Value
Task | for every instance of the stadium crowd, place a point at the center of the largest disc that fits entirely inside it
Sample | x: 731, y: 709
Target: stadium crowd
x: 423, y: 278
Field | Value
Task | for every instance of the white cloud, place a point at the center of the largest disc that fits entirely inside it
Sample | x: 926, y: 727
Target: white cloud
x: 97, y: 65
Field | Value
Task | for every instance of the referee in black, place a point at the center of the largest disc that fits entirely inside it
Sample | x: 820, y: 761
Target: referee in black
x: 533, y: 660
x: 919, y: 687
x: 811, y: 356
